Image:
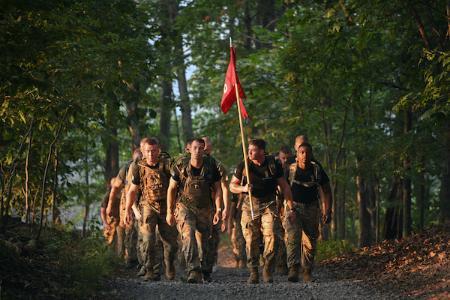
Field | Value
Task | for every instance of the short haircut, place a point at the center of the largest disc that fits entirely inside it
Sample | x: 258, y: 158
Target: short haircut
x: 305, y: 145
x: 304, y: 137
x: 137, y: 151
x: 198, y: 140
x: 260, y: 143
x: 150, y: 141
x: 188, y: 142
x: 285, y: 149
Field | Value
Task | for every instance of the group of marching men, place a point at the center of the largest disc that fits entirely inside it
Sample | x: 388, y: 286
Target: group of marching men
x: 157, y: 203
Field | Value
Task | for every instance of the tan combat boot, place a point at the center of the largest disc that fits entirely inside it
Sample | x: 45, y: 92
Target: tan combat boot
x: 293, y: 273
x: 254, y: 276
x: 307, y: 277
x: 170, y: 271
x: 142, y: 271
x: 151, y: 276
x: 242, y: 264
x: 267, y: 274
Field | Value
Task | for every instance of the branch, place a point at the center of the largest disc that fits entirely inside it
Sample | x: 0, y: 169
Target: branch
x: 50, y: 152
x: 420, y: 26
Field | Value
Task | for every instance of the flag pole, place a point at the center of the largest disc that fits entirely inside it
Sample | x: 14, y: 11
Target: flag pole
x: 244, y: 148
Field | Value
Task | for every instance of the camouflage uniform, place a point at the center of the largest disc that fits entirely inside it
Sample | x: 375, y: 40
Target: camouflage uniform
x: 128, y: 231
x: 237, y: 238
x: 264, y: 182
x: 302, y: 234
x: 153, y: 182
x: 193, y: 212
x: 213, y: 242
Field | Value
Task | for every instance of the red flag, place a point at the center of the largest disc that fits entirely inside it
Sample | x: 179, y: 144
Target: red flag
x: 229, y: 92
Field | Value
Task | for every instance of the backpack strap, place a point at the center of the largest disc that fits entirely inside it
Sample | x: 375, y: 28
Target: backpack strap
x: 316, y: 172
x: 292, y: 170
x: 271, y: 164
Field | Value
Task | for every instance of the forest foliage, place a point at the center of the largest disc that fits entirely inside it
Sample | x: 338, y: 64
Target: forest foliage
x: 367, y: 81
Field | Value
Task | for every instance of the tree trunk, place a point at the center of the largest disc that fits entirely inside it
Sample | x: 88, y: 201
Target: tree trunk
x: 110, y: 141
x: 365, y: 229
x: 335, y: 211
x: 44, y: 177
x: 177, y: 127
x: 166, y: 114
x: 56, y: 214
x: 394, y: 216
x: 406, y: 199
x: 168, y: 14
x: 247, y: 26
x: 341, y: 213
x: 444, y: 193
x: 421, y: 193
x: 132, y: 104
x: 185, y: 105
x: 86, y: 181
x: 27, y: 179
x: 266, y: 14
x: 7, y: 184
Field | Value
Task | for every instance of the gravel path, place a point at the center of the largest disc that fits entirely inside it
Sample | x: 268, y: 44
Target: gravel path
x: 231, y: 283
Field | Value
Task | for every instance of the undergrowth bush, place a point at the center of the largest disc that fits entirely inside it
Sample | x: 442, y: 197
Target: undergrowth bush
x: 332, y: 248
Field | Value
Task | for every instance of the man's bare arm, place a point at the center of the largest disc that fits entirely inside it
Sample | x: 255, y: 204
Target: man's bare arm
x: 225, y: 199
x: 171, y: 199
x: 116, y: 188
x: 286, y: 190
x: 325, y: 195
x: 218, y: 201
x: 130, y: 199
x: 236, y: 187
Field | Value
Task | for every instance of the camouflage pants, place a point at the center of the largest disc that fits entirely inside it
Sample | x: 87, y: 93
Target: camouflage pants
x: 150, y: 247
x: 195, y: 226
x: 265, y: 223
x: 128, y: 239
x: 213, y: 244
x: 301, y: 235
x: 237, y: 238
x: 281, y: 255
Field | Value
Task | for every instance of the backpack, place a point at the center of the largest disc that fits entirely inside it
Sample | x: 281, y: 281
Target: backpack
x: 316, y: 175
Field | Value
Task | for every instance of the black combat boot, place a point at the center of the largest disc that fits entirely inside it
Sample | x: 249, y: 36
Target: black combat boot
x: 194, y: 277
x: 254, y: 276
x: 282, y: 269
x: 206, y: 276
x: 293, y: 273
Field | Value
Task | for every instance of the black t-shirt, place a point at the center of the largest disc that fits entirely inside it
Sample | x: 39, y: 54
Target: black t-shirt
x: 303, y: 188
x: 214, y: 173
x: 263, y: 179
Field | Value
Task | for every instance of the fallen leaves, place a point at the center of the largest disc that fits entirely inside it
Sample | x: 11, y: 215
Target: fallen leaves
x: 410, y: 266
